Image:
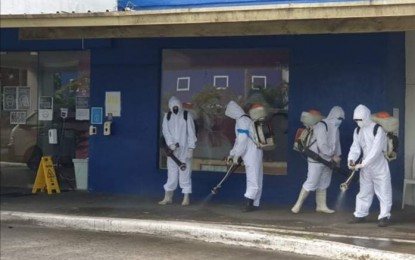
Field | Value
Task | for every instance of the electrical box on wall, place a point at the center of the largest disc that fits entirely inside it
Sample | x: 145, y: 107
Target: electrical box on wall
x: 107, y: 127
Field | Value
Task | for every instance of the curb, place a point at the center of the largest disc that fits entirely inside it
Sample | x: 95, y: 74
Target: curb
x: 207, y: 232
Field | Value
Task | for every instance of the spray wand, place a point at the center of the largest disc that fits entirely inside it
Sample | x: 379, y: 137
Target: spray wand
x: 345, y: 185
x: 234, y: 166
x: 170, y: 153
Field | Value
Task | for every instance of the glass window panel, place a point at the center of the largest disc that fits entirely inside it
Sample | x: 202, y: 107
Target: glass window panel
x: 65, y: 78
x: 242, y: 68
x: 27, y: 76
x: 19, y: 86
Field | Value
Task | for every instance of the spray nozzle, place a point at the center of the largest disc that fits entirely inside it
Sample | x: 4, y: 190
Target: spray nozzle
x: 215, y: 190
x: 344, y: 187
x: 182, y: 166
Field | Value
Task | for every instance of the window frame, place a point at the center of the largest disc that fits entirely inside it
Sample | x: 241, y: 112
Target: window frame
x: 178, y: 81
x: 253, y: 77
x: 221, y: 77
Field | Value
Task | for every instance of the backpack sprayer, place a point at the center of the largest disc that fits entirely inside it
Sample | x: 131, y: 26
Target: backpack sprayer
x: 303, y: 140
x: 263, y: 135
x: 234, y: 166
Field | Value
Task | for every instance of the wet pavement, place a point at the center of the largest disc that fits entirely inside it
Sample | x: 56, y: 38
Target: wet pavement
x: 399, y: 237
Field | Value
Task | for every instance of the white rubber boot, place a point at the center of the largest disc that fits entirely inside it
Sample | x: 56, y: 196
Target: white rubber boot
x: 186, y: 200
x: 321, y: 202
x: 168, y: 198
x: 303, y: 195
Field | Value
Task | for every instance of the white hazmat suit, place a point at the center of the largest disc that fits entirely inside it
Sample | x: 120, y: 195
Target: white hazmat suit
x: 374, y: 174
x: 326, y: 143
x: 251, y: 155
x: 180, y: 136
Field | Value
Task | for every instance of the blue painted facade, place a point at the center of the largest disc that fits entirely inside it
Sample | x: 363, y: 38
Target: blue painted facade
x: 171, y: 4
x: 325, y: 70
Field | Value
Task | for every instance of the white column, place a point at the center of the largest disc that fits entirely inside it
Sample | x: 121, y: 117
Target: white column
x: 32, y: 74
x: 410, y: 111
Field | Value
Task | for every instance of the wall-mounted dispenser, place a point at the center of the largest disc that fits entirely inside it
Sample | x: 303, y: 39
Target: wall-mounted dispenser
x: 92, y: 130
x: 64, y: 113
x: 108, y: 125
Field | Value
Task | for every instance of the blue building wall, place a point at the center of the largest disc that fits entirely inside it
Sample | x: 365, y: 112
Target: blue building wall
x: 325, y: 70
x: 169, y: 4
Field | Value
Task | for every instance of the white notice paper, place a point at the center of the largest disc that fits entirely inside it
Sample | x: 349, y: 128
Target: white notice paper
x: 45, y: 108
x: 82, y: 114
x: 113, y: 103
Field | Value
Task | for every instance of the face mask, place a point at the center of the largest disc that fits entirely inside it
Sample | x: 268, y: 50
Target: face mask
x: 175, y: 110
x: 360, y: 123
x: 338, y: 123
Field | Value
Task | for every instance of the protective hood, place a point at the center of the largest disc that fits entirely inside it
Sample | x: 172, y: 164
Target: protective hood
x: 362, y: 112
x: 333, y: 122
x: 335, y: 113
x: 233, y: 110
x: 174, y: 101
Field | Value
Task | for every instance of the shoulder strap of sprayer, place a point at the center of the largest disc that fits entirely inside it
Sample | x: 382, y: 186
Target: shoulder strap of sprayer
x: 249, y: 135
x: 246, y: 116
x: 375, y: 129
x: 184, y: 115
x: 325, y: 124
x: 309, y: 132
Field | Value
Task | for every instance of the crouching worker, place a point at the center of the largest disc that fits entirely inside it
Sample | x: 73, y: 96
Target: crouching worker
x: 251, y: 155
x: 179, y: 133
x: 323, y: 139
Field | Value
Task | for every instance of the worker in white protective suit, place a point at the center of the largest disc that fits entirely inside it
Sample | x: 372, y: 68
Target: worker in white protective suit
x: 179, y: 133
x: 245, y: 148
x: 374, y: 169
x: 325, y: 141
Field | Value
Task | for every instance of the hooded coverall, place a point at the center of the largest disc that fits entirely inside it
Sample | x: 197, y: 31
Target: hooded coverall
x: 245, y: 148
x: 326, y: 142
x: 374, y: 175
x: 181, y: 131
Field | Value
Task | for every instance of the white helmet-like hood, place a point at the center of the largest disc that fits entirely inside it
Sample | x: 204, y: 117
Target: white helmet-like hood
x: 233, y: 110
x: 363, y: 113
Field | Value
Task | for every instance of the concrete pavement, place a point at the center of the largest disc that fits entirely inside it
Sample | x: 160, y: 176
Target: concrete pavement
x: 271, y: 227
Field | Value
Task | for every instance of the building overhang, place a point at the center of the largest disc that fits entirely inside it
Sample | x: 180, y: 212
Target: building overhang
x: 281, y: 19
